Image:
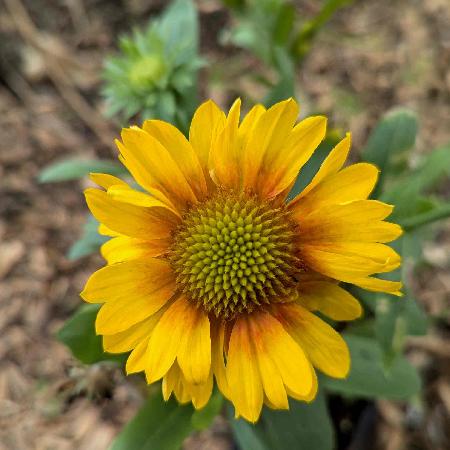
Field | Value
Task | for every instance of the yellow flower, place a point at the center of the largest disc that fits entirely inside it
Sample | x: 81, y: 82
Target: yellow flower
x: 210, y: 274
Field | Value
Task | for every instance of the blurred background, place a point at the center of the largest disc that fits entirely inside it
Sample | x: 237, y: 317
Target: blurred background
x: 370, y: 57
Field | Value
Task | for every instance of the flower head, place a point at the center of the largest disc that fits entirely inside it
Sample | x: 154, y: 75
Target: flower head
x: 210, y: 273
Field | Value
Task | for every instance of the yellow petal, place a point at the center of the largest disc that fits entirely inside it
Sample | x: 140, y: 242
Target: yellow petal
x: 105, y: 231
x: 130, y: 220
x: 201, y: 393
x: 123, y: 280
x: 355, y: 182
x: 360, y: 220
x: 207, y: 123
x: 179, y: 387
x: 311, y: 395
x: 342, y: 267
x: 124, y: 193
x: 182, y: 153
x: 123, y: 248
x: 332, y: 164
x: 243, y: 373
x: 170, y: 380
x: 137, y: 360
x: 373, y: 251
x: 130, y: 338
x: 288, y: 357
x: 324, y: 346
x: 329, y: 299
x: 224, y: 157
x: 249, y: 123
x: 166, y: 340
x: 217, y: 357
x: 182, y: 333
x: 267, y: 139
x: 146, y: 157
x: 379, y: 285
x: 194, y: 354
x: 105, y: 180
x: 271, y: 379
x: 281, y: 166
x: 132, y: 290
x: 141, y: 175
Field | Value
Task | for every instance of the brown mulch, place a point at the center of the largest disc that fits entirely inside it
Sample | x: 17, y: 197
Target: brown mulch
x: 373, y: 56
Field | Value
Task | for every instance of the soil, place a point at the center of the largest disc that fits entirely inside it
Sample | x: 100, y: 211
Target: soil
x: 371, y: 57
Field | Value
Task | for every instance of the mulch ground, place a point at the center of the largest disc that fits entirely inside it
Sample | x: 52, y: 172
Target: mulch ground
x: 373, y: 56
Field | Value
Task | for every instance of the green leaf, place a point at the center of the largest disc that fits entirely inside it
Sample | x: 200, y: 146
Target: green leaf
x: 248, y: 436
x: 304, y: 426
x: 368, y: 377
x: 78, y: 333
x: 433, y: 168
x: 437, y: 213
x: 158, y: 425
x: 407, y: 193
x: 388, y: 321
x: 234, y: 4
x: 203, y: 418
x: 89, y: 242
x: 76, y: 168
x: 416, y: 319
x: 395, y: 133
x: 179, y: 27
x: 282, y: 90
x: 283, y: 25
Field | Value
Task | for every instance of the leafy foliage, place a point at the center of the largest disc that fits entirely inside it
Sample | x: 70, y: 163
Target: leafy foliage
x: 89, y: 242
x: 157, y: 425
x: 202, y: 418
x: 155, y: 73
x: 78, y: 333
x: 76, y: 168
x: 368, y: 377
x: 164, y: 425
x: 272, y: 30
x: 305, y: 425
x: 394, y: 134
x: 388, y: 147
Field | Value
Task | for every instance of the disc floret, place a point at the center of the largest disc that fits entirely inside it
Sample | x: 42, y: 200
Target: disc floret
x: 234, y: 253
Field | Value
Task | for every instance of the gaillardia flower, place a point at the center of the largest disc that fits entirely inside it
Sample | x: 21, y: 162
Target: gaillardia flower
x: 210, y: 273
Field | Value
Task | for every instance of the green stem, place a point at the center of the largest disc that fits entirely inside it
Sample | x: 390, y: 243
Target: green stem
x: 306, y: 34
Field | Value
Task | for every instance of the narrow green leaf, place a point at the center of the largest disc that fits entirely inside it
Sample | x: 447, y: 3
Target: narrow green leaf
x: 426, y: 218
x: 158, y: 425
x: 284, y: 23
x: 78, y: 333
x: 307, y: 32
x: 76, y: 168
x: 368, y: 377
